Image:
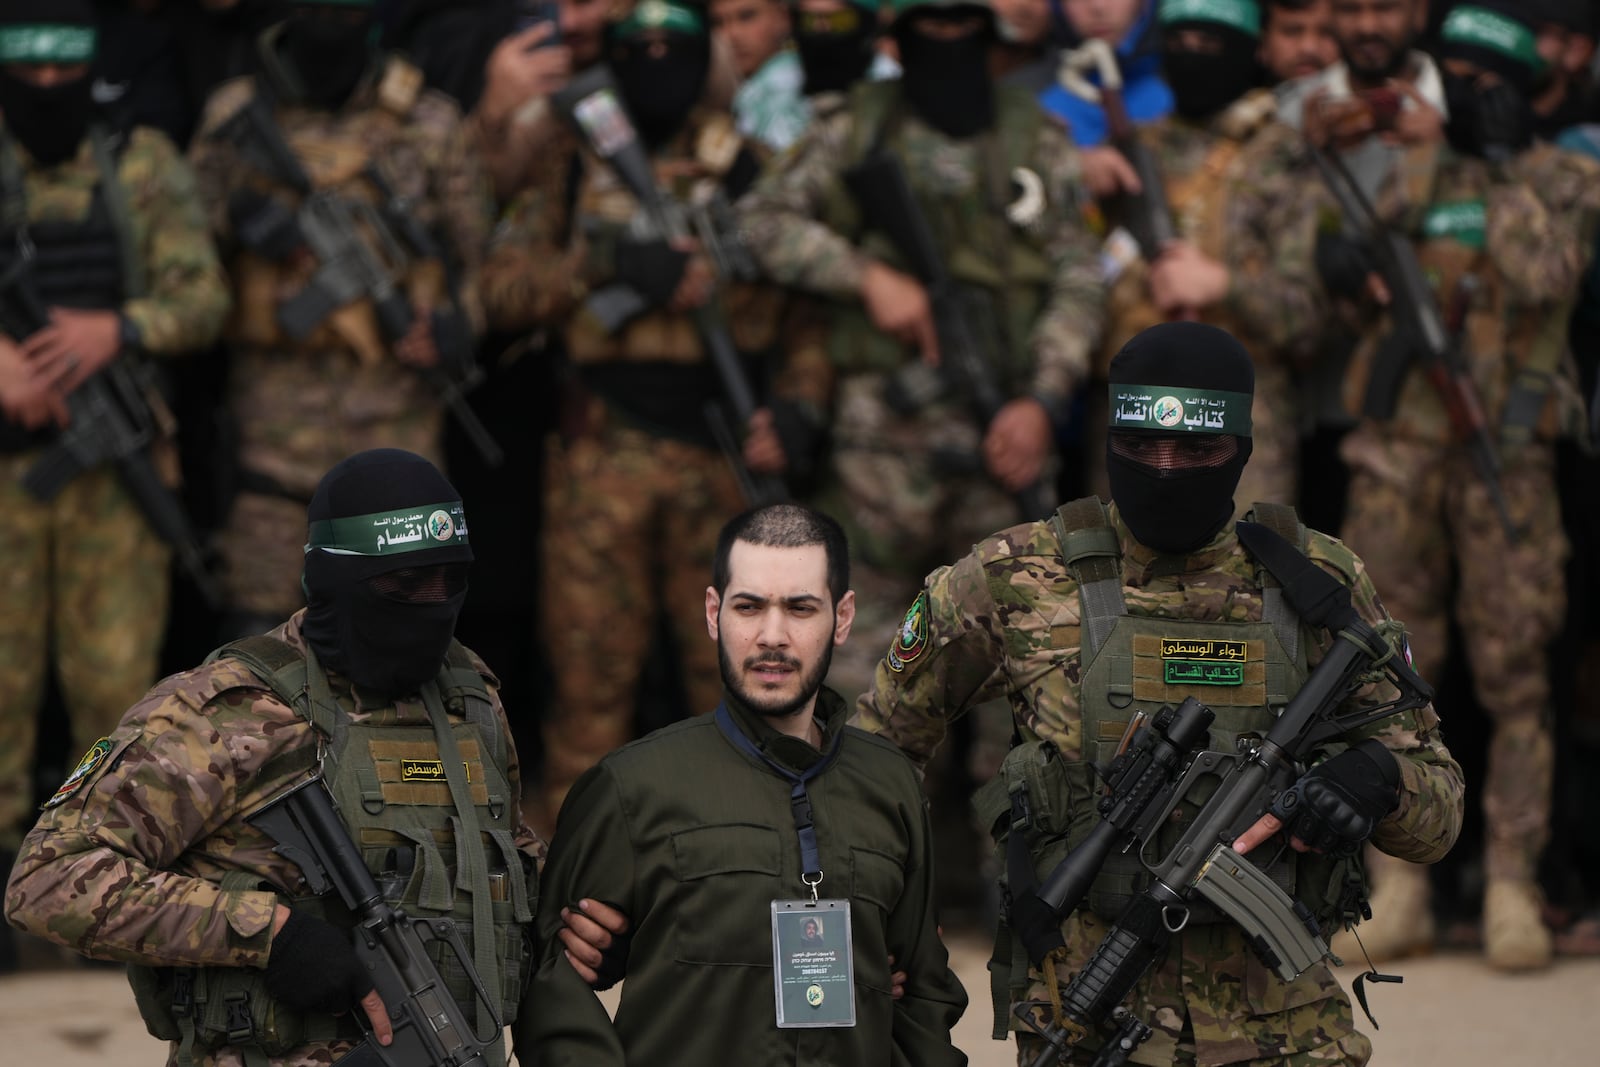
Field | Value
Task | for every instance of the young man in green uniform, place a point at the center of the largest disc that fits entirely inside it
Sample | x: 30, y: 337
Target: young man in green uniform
x: 720, y: 836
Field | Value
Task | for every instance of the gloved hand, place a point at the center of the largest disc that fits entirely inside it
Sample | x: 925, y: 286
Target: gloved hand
x: 652, y: 268
x: 264, y: 225
x: 314, y: 967
x: 1336, y: 805
x: 1343, y: 264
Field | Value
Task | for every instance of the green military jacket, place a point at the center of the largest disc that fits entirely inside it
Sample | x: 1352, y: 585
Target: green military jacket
x: 694, y: 839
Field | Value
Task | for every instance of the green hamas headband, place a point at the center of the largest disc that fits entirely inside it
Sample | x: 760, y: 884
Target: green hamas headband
x: 43, y: 42
x: 1242, y: 15
x: 1167, y: 409
x: 1493, y: 32
x: 661, y: 15
x: 388, y: 533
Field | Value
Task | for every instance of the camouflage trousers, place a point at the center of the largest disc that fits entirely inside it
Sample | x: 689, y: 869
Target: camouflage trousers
x: 1421, y: 519
x: 631, y: 525
x: 891, y: 485
x: 83, y: 581
x: 1210, y: 1001
x: 297, y: 414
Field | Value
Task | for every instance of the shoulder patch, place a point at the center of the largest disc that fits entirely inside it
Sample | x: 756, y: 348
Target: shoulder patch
x: 909, y: 643
x: 92, y: 761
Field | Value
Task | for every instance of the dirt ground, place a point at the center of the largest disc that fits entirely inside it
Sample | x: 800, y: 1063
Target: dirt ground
x: 1451, y: 1010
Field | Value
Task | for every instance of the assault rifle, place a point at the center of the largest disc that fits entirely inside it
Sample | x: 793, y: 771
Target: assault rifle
x: 1165, y: 762
x: 593, y: 105
x: 112, y: 420
x: 879, y: 186
x: 430, y: 1029
x: 349, y: 269
x: 1423, y: 333
x: 1147, y: 214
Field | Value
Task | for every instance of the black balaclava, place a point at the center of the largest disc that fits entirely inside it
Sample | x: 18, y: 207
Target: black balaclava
x: 1490, y: 118
x: 1170, y: 381
x: 329, y: 45
x: 1204, y: 83
x: 947, y: 83
x: 836, y: 49
x: 49, y: 122
x: 661, y: 57
x: 385, y: 570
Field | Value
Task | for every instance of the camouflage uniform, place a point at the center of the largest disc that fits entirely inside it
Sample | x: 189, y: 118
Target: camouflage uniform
x: 299, y: 407
x: 129, y: 860
x: 636, y: 490
x: 1005, y: 623
x: 1417, y: 507
x: 83, y: 578
x: 904, y: 510
x: 1237, y: 191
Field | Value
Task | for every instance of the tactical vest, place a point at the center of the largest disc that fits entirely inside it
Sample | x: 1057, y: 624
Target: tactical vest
x: 1246, y: 672
x: 1516, y: 355
x: 334, y: 160
x: 983, y: 249
x: 430, y: 807
x: 90, y: 263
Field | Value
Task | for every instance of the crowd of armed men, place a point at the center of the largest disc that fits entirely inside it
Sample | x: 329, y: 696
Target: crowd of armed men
x: 995, y: 362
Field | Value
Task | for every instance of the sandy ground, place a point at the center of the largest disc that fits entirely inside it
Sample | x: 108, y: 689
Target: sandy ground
x: 1451, y: 1010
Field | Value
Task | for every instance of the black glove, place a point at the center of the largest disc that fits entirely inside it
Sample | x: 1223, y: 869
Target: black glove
x: 263, y: 225
x: 1343, y: 264
x: 802, y: 436
x: 314, y: 967
x: 651, y: 268
x: 1335, y: 806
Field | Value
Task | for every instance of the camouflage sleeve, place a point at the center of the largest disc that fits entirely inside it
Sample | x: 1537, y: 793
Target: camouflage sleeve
x: 186, y: 299
x: 950, y: 656
x: 1541, y: 224
x: 530, y: 277
x: 459, y: 189
x: 1274, y: 206
x: 124, y: 864
x: 779, y: 217
x: 1068, y: 328
x: 217, y: 167
x: 1425, y: 825
x: 530, y: 843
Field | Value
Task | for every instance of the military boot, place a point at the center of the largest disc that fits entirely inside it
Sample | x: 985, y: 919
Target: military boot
x: 1402, y: 913
x: 1515, y: 937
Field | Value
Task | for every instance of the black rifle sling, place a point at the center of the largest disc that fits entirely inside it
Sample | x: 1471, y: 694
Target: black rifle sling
x: 1317, y: 596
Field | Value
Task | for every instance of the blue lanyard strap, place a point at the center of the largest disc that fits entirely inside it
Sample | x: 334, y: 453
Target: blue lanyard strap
x: 799, y: 800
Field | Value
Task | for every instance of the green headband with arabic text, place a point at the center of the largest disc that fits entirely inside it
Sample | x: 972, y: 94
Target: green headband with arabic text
x: 389, y: 533
x: 47, y: 42
x: 1170, y: 409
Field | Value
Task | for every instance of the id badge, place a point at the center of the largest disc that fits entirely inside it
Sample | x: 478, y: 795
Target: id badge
x: 813, y: 969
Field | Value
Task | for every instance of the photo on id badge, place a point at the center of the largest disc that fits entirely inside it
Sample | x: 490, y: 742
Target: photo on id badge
x: 813, y: 974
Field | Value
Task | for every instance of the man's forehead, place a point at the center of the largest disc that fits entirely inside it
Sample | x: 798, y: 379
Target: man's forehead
x: 778, y: 571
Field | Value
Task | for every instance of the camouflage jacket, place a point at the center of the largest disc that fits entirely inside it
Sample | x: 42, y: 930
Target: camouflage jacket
x: 127, y: 861
x: 1239, y: 189
x: 783, y: 222
x: 419, y: 143
x: 1004, y: 623
x: 186, y: 297
x: 1504, y: 249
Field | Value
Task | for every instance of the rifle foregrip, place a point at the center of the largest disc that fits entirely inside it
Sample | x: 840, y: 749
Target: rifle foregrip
x: 1118, y: 964
x: 55, y: 467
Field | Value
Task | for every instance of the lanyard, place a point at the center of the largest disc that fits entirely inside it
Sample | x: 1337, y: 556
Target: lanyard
x: 799, y: 801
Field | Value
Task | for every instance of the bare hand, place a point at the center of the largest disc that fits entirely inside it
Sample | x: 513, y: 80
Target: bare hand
x: 1017, y: 443
x: 75, y: 346
x: 898, y: 305
x: 1421, y: 123
x: 1336, y: 123
x: 416, y: 348
x: 1262, y: 829
x: 1107, y: 173
x: 519, y: 70
x: 1185, y: 278
x: 763, y: 449
x: 588, y: 933
x: 897, y: 982
x: 30, y: 399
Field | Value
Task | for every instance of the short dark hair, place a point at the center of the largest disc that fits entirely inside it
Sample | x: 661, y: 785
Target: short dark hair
x: 785, y: 526
x: 1269, y: 6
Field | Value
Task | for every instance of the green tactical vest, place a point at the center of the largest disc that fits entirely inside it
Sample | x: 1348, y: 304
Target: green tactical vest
x: 983, y: 249
x: 396, y: 783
